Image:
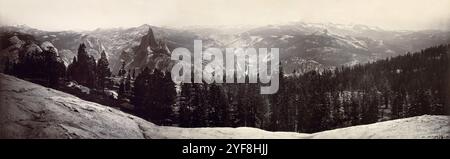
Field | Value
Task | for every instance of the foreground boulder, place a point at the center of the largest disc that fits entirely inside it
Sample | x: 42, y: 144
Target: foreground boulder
x: 29, y: 110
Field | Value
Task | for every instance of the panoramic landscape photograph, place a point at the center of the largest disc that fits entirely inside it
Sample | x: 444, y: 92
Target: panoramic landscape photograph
x: 224, y: 69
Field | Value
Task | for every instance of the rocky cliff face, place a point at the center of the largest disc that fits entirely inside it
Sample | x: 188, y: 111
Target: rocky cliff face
x: 151, y: 53
x: 66, y: 42
x: 16, y: 46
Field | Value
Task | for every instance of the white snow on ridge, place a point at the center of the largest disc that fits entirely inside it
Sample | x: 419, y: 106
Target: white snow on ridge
x: 285, y: 37
x: 28, y: 110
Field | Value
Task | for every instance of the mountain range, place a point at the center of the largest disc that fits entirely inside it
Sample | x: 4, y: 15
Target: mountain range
x: 303, y: 46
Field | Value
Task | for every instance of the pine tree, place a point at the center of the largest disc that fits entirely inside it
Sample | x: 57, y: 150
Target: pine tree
x: 127, y: 83
x: 169, y: 97
x: 279, y: 105
x: 122, y: 72
x: 103, y: 70
x: 121, y: 92
x: 219, y: 106
x: 199, y: 112
x: 185, y: 112
x: 140, y: 91
x: 83, y: 68
x: 91, y: 79
x: 72, y: 70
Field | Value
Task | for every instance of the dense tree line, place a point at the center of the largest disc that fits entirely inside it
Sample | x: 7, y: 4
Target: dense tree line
x: 154, y: 96
x: 398, y: 87
x: 88, y: 72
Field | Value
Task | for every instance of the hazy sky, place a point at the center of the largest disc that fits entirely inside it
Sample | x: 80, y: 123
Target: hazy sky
x: 92, y: 14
